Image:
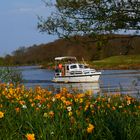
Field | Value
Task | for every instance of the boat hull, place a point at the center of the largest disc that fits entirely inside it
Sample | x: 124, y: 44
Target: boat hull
x: 77, y: 78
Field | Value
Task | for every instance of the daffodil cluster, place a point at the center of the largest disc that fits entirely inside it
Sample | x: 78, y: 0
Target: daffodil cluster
x: 41, y: 114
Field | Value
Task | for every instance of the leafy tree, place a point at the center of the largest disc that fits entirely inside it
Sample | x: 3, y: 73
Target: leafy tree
x: 92, y: 17
x: 1, y: 61
x: 95, y: 18
x: 20, y: 51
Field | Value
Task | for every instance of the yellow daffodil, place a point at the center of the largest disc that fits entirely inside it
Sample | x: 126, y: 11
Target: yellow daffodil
x: 58, y: 96
x: 81, y: 100
x: 108, y: 105
x: 70, y: 113
x: 90, y: 128
x: 86, y: 107
x: 67, y: 103
x: 1, y: 114
x: 113, y: 108
x: 30, y: 136
x: 63, y: 99
x: 45, y: 115
x: 76, y: 100
x: 1, y: 105
x: 51, y: 113
x: 17, y: 109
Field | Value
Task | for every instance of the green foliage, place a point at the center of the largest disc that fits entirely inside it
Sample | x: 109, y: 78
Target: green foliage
x: 93, y: 17
x: 10, y: 75
x: 1, y: 61
x: 67, y: 116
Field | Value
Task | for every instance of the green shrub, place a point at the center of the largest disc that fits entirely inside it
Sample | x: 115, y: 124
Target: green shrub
x: 10, y: 74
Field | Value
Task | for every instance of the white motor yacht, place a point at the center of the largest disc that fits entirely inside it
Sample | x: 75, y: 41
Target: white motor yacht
x: 68, y: 70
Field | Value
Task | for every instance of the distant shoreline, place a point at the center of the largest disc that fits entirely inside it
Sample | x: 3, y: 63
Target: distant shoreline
x: 94, y: 66
x: 119, y: 67
x: 122, y: 62
x: 111, y: 63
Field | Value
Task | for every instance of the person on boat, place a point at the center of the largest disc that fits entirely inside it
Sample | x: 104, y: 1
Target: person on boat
x: 63, y: 71
x: 60, y: 66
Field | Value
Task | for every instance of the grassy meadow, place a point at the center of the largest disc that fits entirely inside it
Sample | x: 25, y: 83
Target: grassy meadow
x: 118, y: 62
x: 39, y: 114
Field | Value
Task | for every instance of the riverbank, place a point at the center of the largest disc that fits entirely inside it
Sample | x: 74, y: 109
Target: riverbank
x: 111, y: 63
x: 118, y: 62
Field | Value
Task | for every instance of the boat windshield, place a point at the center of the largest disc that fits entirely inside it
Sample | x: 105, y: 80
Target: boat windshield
x: 82, y: 66
x: 73, y: 66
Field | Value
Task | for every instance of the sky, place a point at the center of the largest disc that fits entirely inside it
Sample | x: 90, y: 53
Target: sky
x: 18, y: 24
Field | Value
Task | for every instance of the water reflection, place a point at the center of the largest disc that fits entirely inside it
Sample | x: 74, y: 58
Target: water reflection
x: 124, y: 81
x: 79, y: 87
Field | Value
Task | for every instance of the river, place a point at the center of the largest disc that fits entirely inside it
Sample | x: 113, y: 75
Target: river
x: 124, y: 81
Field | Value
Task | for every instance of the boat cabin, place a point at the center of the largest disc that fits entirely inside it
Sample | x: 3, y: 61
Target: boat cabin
x: 68, y: 66
x: 68, y: 70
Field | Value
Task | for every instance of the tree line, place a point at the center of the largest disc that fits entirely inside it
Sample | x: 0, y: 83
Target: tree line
x: 88, y: 29
x: 79, y: 46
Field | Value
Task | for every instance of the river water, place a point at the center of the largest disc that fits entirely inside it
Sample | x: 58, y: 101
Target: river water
x: 124, y: 81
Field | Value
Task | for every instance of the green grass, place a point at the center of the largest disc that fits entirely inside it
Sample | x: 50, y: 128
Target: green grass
x: 118, y: 62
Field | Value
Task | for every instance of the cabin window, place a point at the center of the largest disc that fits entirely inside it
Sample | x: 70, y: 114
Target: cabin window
x: 67, y: 67
x: 73, y: 66
x: 81, y: 66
